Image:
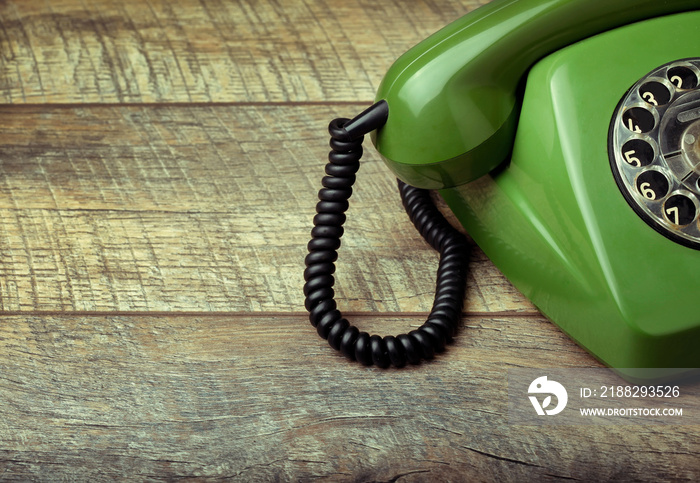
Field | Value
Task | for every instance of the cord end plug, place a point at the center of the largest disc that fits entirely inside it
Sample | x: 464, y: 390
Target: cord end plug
x: 368, y: 120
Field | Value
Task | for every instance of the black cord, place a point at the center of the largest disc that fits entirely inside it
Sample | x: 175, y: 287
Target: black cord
x: 441, y: 325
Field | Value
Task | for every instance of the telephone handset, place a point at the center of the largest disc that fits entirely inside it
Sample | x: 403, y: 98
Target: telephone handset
x: 565, y: 137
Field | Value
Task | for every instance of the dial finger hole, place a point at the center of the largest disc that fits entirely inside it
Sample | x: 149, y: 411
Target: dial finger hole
x: 655, y: 93
x: 638, y: 120
x: 679, y: 210
x: 637, y: 153
x: 682, y: 77
x: 652, y: 185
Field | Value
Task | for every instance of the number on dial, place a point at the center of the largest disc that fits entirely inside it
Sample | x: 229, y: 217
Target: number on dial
x: 637, y: 153
x: 655, y: 93
x: 652, y: 185
x: 679, y: 209
x: 682, y: 77
x: 638, y: 120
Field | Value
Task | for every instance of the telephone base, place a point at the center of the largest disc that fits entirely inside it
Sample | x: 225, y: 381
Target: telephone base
x: 557, y: 225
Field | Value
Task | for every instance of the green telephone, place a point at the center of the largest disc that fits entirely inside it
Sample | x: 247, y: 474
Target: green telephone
x: 565, y: 137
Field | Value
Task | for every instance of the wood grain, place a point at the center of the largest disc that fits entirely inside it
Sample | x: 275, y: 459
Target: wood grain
x: 197, y: 208
x: 211, y: 397
x: 158, y: 169
x: 203, y: 51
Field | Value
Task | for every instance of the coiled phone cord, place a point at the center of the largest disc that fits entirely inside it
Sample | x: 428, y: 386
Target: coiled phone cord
x: 441, y: 324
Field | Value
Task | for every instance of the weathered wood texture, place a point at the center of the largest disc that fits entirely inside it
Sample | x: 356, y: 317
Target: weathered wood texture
x: 196, y: 208
x: 254, y: 398
x: 158, y: 168
x: 214, y: 50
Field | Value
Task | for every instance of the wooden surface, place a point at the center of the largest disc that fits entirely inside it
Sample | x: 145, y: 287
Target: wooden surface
x: 158, y: 169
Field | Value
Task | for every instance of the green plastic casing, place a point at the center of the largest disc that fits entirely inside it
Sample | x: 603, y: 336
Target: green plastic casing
x: 552, y: 218
x: 556, y: 224
x: 454, y: 99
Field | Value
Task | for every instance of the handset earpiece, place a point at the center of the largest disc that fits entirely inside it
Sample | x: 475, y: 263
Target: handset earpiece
x: 454, y: 97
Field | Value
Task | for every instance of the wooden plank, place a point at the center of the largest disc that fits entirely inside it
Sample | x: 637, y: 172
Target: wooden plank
x: 260, y: 398
x: 151, y: 264
x: 191, y: 51
x: 198, y: 208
